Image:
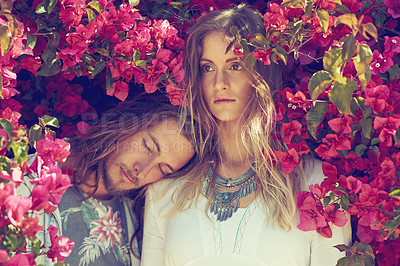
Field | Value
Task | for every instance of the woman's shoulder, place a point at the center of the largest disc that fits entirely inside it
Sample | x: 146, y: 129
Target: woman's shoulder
x: 313, y: 171
x: 163, y: 189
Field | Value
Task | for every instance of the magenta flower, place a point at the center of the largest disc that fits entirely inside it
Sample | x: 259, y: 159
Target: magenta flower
x: 291, y: 129
x: 16, y: 176
x: 5, y: 191
x: 289, y: 160
x: 392, y: 46
x: 61, y: 246
x: 53, y: 150
x: 3, y: 255
x: 21, y: 259
x: 263, y: 56
x: 120, y: 90
x: 393, y: 7
x: 379, y: 64
x: 17, y: 207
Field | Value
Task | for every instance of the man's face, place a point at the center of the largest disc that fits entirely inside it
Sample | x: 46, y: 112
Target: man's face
x: 147, y: 157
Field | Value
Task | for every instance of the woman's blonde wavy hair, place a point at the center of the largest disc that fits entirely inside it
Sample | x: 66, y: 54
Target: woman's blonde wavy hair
x: 278, y: 190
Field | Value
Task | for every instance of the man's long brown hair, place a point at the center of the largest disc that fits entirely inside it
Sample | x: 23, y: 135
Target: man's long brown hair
x: 90, y: 152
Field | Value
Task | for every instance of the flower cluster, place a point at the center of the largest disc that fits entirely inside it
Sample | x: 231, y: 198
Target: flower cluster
x: 343, y: 103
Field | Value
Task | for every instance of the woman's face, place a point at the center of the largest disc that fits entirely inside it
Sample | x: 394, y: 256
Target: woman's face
x: 225, y: 85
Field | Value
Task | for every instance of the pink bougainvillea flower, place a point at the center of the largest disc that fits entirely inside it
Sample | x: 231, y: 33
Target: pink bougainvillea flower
x: 71, y: 12
x: 275, y: 18
x: 30, y: 226
x: 289, y: 160
x: 392, y: 46
x: 387, y: 127
x: 61, y: 246
x: 21, y: 259
x: 71, y: 105
x: 175, y: 94
x: 238, y: 51
x: 83, y: 128
x: 353, y: 184
x: 329, y: 169
x: 31, y: 64
x: 341, y: 124
x: 379, y: 63
x: 120, y: 91
x: 352, y: 5
x: 3, y: 255
x: 54, y: 181
x: 310, y: 212
x: 52, y: 150
x: 5, y: 191
x: 393, y: 7
x: 107, y: 229
x: 17, y: 207
x: 337, y: 217
x: 16, y: 176
x: 263, y: 56
x: 301, y: 147
x: 291, y: 129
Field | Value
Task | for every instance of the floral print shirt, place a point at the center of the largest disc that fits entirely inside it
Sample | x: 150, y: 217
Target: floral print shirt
x: 98, y: 228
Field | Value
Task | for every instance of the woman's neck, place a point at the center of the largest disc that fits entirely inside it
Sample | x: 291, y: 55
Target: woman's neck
x: 234, y: 157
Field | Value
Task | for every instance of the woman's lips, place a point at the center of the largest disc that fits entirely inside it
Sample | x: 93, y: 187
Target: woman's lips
x: 223, y: 100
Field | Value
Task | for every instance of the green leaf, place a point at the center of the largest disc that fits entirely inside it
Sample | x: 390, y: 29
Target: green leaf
x: 279, y: 51
x: 1, y: 87
x: 395, y: 194
x: 20, y: 152
x: 370, y: 29
x: 99, y: 67
x: 42, y: 8
x: 341, y: 94
x: 96, y: 5
x: 315, y: 116
x: 244, y: 45
x: 91, y: 14
x: 344, y: 202
x: 260, y: 38
x: 136, y: 2
x: 36, y: 243
x: 47, y: 120
x: 318, y: 83
x: 89, y: 213
x: 323, y: 17
x: 293, y: 3
x: 394, y: 72
x: 379, y: 17
x: 50, y: 69
x: 35, y: 133
x: 326, y: 200
x: 5, y: 39
x: 136, y: 55
x: 339, y: 2
x: 30, y: 41
x: 109, y: 81
x: 250, y: 61
x: 51, y: 6
x: 360, y: 149
x: 177, y: 5
x: 8, y: 127
x: 375, y: 149
x: 375, y: 141
x: 5, y: 164
x: 342, y: 9
x: 342, y: 247
x: 332, y: 63
x: 347, y: 19
x: 309, y: 8
x: 349, y: 47
x: 366, y: 125
x: 234, y: 30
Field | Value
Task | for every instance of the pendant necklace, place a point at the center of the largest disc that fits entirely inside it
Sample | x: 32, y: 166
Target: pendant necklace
x: 225, y: 203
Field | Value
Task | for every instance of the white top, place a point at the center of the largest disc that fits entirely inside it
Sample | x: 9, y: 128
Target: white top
x: 191, y: 238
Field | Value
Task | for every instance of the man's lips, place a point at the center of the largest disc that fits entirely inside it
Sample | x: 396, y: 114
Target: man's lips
x: 127, y: 176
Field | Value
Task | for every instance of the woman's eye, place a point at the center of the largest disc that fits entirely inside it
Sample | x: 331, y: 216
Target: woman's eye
x: 206, y: 68
x: 236, y: 67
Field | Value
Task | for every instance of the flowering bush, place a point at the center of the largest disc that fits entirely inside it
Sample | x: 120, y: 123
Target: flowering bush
x: 342, y: 99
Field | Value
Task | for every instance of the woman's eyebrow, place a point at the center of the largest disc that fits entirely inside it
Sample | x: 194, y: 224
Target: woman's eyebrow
x: 227, y: 60
x: 156, y: 142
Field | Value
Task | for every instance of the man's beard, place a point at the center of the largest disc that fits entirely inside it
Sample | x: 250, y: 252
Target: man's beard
x: 112, y: 187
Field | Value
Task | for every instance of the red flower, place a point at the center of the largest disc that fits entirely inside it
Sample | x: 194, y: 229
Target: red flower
x: 341, y: 124
x: 289, y: 160
x: 21, y: 259
x: 53, y: 150
x: 61, y: 246
x: 17, y: 207
x: 71, y: 105
x: 263, y: 56
x: 16, y: 176
x: 379, y: 64
x: 71, y: 12
x: 310, y: 215
x: 393, y: 7
x: 276, y: 18
x: 120, y: 91
x: 387, y: 127
x: 175, y: 94
x: 353, y: 184
x: 5, y: 191
x: 392, y: 46
x: 291, y: 129
x: 30, y: 226
x: 31, y: 64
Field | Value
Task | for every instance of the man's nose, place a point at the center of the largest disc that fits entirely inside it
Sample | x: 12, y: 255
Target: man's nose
x: 143, y: 169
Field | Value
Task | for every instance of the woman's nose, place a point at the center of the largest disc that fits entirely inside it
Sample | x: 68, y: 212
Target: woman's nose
x: 221, y: 80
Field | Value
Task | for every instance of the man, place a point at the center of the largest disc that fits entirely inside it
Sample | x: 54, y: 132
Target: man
x: 129, y: 148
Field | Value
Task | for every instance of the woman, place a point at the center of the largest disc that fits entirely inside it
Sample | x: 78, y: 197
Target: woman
x: 235, y: 207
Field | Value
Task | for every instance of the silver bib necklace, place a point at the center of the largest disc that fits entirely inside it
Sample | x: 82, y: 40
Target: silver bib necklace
x: 225, y: 203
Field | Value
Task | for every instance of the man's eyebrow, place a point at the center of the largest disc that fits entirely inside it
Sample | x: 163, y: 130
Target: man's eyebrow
x: 155, y: 140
